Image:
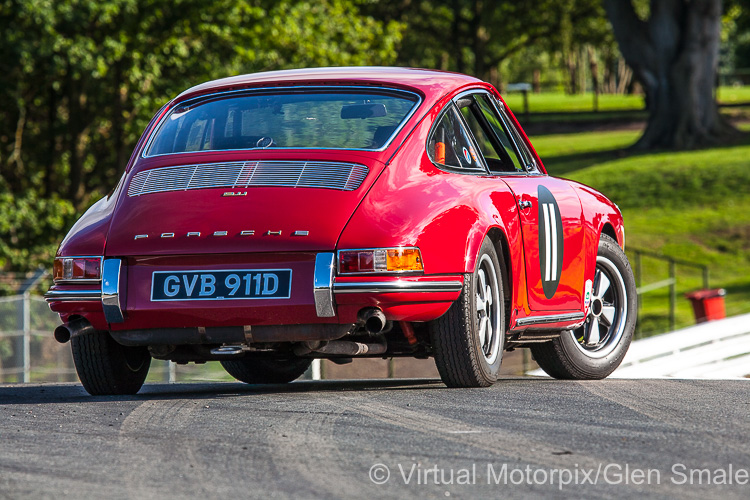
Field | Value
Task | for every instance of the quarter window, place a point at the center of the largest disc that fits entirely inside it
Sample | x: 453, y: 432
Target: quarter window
x: 450, y: 144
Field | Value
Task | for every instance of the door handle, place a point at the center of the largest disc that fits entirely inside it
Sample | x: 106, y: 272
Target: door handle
x: 524, y: 204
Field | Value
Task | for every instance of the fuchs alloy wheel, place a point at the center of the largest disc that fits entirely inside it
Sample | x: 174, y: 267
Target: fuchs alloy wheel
x: 266, y: 371
x: 468, y: 340
x: 596, y: 349
x: 107, y: 368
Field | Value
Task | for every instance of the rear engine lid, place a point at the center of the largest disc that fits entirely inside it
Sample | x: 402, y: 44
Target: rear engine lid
x: 265, y: 205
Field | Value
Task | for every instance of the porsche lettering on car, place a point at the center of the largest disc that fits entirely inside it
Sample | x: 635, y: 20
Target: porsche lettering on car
x: 269, y: 219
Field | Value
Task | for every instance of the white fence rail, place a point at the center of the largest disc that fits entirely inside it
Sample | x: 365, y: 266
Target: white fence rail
x: 713, y: 350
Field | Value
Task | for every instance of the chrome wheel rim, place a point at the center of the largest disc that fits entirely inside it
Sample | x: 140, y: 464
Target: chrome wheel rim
x: 605, y: 321
x: 487, y: 299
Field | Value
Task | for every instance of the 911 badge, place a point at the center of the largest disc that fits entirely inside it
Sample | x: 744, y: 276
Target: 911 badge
x: 550, y: 241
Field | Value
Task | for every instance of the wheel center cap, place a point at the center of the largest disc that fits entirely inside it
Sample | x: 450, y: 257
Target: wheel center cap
x: 596, y: 306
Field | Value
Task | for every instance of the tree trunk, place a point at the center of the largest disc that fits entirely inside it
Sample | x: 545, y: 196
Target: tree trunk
x: 572, y: 73
x: 117, y: 119
x: 624, y: 76
x: 594, y: 70
x: 456, y: 35
x: 49, y: 167
x: 75, y: 138
x: 674, y: 55
x: 478, y: 42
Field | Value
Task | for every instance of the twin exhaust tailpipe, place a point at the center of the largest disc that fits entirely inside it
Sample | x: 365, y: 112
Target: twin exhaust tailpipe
x: 64, y: 333
x: 371, y: 318
x: 374, y: 322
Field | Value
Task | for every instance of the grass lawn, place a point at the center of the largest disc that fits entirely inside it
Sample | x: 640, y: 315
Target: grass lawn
x: 691, y: 205
x: 560, y: 102
x: 557, y: 102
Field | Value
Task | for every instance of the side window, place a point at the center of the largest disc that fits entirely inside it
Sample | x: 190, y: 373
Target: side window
x: 450, y: 144
x: 486, y: 145
x: 488, y: 130
x: 499, y: 131
x: 528, y: 157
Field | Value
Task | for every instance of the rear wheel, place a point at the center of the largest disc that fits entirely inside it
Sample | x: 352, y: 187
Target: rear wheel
x: 108, y: 368
x: 596, y: 349
x: 266, y: 371
x: 468, y: 340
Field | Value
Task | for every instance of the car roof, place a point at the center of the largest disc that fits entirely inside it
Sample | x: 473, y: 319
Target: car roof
x: 428, y: 82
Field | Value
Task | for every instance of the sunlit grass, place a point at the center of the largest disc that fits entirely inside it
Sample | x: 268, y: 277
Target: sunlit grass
x: 560, y: 102
x: 557, y: 102
x: 692, y: 205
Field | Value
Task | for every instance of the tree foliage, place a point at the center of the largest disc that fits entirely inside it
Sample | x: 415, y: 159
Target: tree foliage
x: 476, y: 36
x: 80, y: 79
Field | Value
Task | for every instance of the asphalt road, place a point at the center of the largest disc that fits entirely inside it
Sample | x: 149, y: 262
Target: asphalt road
x: 329, y: 439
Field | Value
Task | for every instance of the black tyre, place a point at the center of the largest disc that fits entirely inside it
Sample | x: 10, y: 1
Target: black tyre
x: 266, y: 371
x: 469, y: 339
x: 108, y: 368
x: 596, y: 349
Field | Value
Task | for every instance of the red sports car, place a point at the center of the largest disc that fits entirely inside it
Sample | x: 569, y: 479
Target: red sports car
x: 268, y: 219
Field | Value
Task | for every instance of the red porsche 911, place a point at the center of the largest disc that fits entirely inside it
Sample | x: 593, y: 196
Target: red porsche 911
x: 269, y: 219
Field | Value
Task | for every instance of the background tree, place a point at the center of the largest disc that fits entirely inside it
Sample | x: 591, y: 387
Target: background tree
x: 477, y: 36
x: 80, y: 79
x: 674, y: 53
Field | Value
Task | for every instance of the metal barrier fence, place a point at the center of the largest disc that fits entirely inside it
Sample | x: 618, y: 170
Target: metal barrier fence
x: 29, y: 353
x: 670, y: 282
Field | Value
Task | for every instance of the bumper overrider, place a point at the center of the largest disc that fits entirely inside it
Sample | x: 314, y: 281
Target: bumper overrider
x: 108, y: 292
x: 340, y: 298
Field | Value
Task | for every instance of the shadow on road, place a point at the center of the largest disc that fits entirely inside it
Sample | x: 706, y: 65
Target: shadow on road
x: 68, y: 393
x: 57, y: 393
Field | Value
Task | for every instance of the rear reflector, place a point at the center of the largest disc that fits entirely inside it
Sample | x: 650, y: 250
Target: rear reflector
x: 380, y: 260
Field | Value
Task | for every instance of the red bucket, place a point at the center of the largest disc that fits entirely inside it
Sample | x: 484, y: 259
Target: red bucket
x: 708, y: 305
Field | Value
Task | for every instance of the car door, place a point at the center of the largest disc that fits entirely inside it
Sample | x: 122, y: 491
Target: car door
x: 549, y: 211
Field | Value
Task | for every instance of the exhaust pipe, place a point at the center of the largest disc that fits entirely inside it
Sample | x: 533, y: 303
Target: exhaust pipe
x: 64, y: 333
x: 341, y: 348
x: 373, y: 319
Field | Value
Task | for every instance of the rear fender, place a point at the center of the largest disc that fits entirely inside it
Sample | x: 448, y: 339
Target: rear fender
x: 446, y: 215
x: 598, y: 213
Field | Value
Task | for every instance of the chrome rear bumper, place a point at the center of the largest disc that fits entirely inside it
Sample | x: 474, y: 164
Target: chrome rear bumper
x: 398, y: 286
x: 325, y: 288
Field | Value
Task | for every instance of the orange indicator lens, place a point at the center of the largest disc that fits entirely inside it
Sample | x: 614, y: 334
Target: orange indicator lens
x: 404, y: 259
x: 380, y: 260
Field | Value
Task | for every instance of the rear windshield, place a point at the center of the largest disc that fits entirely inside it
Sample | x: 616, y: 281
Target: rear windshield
x: 339, y: 119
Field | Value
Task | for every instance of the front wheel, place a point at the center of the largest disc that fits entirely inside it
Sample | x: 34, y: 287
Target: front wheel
x: 597, y: 348
x: 468, y: 340
x: 107, y: 368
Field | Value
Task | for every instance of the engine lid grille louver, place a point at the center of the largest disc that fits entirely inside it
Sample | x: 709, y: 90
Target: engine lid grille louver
x: 245, y: 174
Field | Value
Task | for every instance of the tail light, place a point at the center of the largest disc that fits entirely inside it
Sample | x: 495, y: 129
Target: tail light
x: 380, y: 260
x: 77, y: 269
